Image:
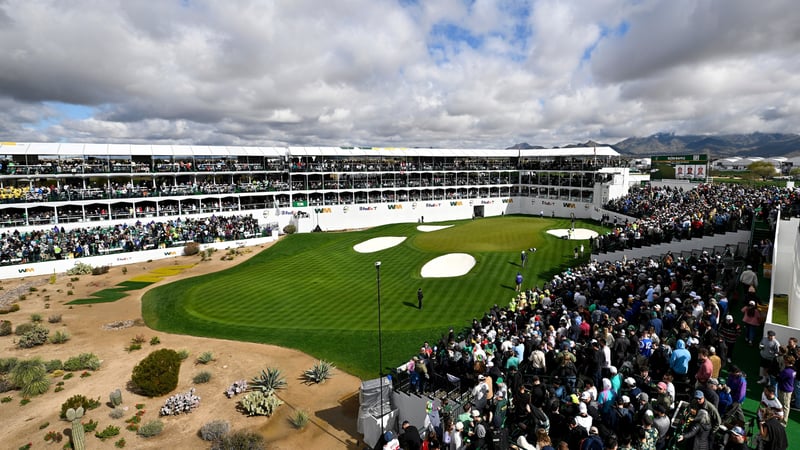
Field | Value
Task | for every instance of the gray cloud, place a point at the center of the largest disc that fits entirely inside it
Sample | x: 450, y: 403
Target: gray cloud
x: 364, y: 72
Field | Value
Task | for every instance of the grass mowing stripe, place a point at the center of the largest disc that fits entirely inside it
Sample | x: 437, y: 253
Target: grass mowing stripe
x: 313, y: 292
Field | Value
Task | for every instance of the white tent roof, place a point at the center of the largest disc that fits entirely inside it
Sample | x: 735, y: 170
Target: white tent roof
x: 55, y: 149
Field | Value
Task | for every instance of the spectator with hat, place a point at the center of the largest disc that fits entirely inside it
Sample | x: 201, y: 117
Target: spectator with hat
x: 729, y: 332
x: 714, y: 418
x: 748, y: 278
x: 751, y: 316
x: 737, y: 439
x: 391, y: 441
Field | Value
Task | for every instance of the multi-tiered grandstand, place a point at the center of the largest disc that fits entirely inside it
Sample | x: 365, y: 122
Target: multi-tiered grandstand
x: 95, y: 186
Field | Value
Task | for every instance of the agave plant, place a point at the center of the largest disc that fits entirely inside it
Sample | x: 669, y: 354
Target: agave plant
x: 319, y: 373
x: 269, y: 381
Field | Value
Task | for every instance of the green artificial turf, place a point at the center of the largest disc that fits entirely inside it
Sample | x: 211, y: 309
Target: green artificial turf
x: 313, y: 292
x: 111, y: 294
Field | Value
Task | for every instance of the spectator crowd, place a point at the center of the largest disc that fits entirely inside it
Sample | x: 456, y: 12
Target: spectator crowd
x: 605, y: 355
x: 57, y: 243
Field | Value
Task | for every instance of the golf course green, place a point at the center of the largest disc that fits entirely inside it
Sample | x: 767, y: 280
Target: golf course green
x: 314, y: 293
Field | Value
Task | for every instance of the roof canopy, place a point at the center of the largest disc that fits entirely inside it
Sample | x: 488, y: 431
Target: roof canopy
x: 78, y: 150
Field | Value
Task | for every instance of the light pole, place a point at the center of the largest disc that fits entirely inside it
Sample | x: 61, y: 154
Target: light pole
x: 380, y: 342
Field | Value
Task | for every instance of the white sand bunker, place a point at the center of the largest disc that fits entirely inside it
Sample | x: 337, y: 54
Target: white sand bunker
x: 450, y: 265
x: 577, y: 233
x: 377, y: 244
x: 429, y: 228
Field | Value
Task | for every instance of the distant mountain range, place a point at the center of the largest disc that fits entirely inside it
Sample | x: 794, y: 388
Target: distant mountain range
x: 719, y: 146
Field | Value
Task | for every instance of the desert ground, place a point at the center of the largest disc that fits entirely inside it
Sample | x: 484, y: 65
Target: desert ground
x: 333, y: 405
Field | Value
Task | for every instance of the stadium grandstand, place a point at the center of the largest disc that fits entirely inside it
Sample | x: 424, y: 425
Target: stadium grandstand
x: 92, y: 190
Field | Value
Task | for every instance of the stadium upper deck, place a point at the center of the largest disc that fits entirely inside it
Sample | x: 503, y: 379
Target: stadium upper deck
x: 63, y: 183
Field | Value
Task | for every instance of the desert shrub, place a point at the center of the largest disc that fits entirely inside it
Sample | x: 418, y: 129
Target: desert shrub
x: 84, y: 361
x: 150, y: 429
x: 6, y: 364
x: 319, y: 373
x: 78, y: 401
x: 5, y: 327
x: 155, y: 340
x: 44, y: 425
x: 157, y: 374
x: 55, y: 318
x: 180, y: 403
x: 133, y: 347
x: 117, y: 413
x: 269, y: 381
x: 36, y: 317
x: 299, y: 419
x: 24, y: 328
x: 138, y: 339
x: 183, y: 354
x: 290, y: 229
x: 6, y: 384
x: 5, y: 400
x: 205, y: 358
x: 214, y: 430
x: 100, y: 270
x: 120, y: 443
x: 79, y: 269
x: 59, y: 337
x: 202, y: 377
x: 37, y: 336
x: 191, y: 248
x: 14, y: 307
x: 53, y: 365
x: 54, y: 436
x: 236, y: 388
x: 90, y: 426
x: 240, y: 440
x: 257, y: 403
x: 30, y: 376
x: 109, y: 431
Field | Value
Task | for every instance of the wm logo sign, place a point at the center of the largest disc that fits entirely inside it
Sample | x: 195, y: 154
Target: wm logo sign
x: 458, y: 203
x: 322, y: 210
x: 395, y: 206
x: 27, y: 270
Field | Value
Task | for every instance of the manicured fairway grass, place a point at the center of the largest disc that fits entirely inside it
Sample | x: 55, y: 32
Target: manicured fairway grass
x: 313, y: 292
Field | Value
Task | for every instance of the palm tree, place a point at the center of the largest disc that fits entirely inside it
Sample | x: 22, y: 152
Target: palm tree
x: 30, y: 376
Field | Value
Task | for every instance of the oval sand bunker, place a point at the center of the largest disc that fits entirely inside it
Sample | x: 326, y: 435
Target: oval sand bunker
x: 377, y: 244
x: 450, y: 265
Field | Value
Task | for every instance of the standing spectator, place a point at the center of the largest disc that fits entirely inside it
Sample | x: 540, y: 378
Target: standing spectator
x: 768, y: 352
x: 786, y: 380
x: 519, y: 281
x: 704, y: 367
x: 748, y: 278
x: 752, y: 320
x: 419, y: 298
x: 772, y: 433
x: 699, y: 431
x: 410, y: 438
x: 738, y: 384
x: 737, y: 440
x: 729, y: 331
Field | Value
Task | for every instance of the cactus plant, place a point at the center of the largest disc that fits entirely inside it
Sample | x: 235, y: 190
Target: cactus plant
x: 78, y: 437
x: 115, y: 397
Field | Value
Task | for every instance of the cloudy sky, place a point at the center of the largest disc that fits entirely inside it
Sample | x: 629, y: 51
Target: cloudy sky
x: 438, y: 73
